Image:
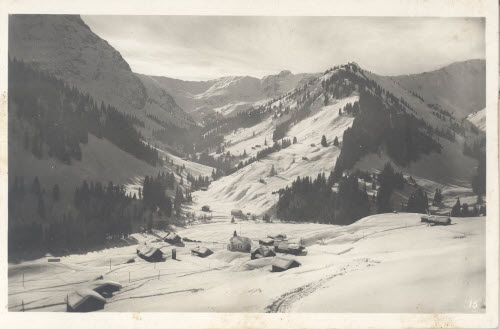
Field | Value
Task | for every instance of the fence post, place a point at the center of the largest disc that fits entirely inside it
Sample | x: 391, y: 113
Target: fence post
x: 23, y: 304
x: 110, y: 264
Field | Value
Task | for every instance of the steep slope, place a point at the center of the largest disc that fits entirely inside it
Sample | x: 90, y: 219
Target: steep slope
x: 478, y: 119
x: 251, y: 188
x: 64, y: 46
x: 228, y: 95
x: 459, y: 88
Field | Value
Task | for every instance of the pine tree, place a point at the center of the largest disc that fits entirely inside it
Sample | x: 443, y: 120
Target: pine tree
x: 323, y: 141
x: 336, y: 141
x: 438, y: 197
x: 417, y: 202
x: 55, y: 193
x: 456, y: 210
x: 273, y: 171
x: 35, y: 187
x: 295, y: 140
x: 41, y: 206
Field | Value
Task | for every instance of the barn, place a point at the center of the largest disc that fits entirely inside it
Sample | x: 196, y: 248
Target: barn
x: 262, y: 252
x: 172, y: 238
x: 288, y: 248
x: 436, y: 220
x: 149, y: 253
x: 280, y: 264
x: 201, y: 252
x: 84, y: 300
x: 266, y: 242
x: 279, y: 237
x: 237, y: 213
x: 239, y: 243
x: 105, y: 288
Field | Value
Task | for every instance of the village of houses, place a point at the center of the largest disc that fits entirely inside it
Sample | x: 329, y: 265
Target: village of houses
x: 243, y: 265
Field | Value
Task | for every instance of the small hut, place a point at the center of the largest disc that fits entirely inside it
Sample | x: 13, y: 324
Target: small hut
x: 201, y: 252
x: 84, y: 300
x: 105, y: 288
x: 239, y: 243
x: 172, y: 238
x: 288, y: 248
x: 282, y: 264
x: 437, y: 220
x: 262, y: 252
x: 266, y: 242
x: 238, y: 213
x: 278, y: 237
x: 149, y: 253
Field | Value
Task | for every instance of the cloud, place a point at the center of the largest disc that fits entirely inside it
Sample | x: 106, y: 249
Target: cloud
x: 205, y: 47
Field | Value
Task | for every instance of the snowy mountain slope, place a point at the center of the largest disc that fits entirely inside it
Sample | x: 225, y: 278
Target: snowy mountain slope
x: 244, y: 190
x: 64, y: 46
x: 162, y: 106
x: 448, y: 169
x: 458, y: 88
x: 478, y: 119
x: 228, y: 94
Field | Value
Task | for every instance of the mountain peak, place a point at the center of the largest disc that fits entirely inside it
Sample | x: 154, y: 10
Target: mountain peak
x: 284, y: 73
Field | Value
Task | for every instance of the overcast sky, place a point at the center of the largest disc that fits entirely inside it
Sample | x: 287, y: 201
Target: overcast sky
x: 206, y: 47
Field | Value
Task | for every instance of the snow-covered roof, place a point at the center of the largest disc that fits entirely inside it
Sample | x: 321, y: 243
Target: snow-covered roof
x: 284, y: 263
x: 79, y: 296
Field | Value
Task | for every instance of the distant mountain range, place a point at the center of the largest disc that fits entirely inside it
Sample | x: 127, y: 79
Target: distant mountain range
x: 459, y: 88
x: 228, y: 95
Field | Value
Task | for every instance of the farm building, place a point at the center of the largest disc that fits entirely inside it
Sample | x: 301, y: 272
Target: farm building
x: 201, y: 252
x: 237, y: 213
x: 279, y: 237
x: 172, y: 238
x: 84, y: 300
x: 436, y: 220
x: 266, y: 242
x: 288, y: 248
x: 262, y: 252
x: 282, y: 264
x: 149, y: 253
x: 239, y: 243
x: 105, y: 288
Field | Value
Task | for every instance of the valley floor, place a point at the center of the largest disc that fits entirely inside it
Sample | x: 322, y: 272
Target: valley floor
x: 382, y: 263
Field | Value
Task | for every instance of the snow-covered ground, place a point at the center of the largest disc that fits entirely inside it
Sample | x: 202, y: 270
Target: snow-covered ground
x: 382, y: 263
x: 478, y: 119
x: 245, y: 190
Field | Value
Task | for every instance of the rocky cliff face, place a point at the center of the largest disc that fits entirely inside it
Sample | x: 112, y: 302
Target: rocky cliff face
x: 66, y: 47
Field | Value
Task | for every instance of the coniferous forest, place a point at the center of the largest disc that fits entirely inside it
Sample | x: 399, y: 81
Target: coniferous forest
x: 60, y: 118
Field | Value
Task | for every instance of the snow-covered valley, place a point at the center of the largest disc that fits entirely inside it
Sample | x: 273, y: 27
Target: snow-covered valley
x: 343, y: 269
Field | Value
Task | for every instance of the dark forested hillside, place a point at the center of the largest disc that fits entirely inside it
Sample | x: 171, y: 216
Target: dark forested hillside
x: 59, y: 118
